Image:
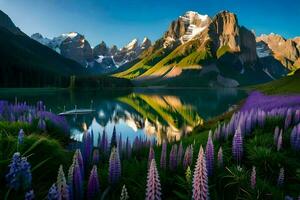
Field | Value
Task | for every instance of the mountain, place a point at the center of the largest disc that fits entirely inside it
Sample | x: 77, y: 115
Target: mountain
x: 286, y: 51
x: 27, y: 63
x: 7, y: 23
x: 101, y: 58
x: 197, y: 50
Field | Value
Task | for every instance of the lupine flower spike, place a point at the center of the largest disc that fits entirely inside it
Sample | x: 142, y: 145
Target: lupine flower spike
x: 200, y: 179
x: 153, y: 191
x: 93, y: 189
x: 62, y: 187
x: 114, y: 166
x: 188, y: 175
x: 209, y: 155
x: 188, y: 157
x: 253, y: 177
x: 20, y: 137
x: 19, y: 174
x: 179, y: 154
x: 124, y: 193
x: 151, y: 155
x: 280, y: 179
x: 29, y: 195
x: 279, y: 142
x: 237, y: 146
x: 163, y: 157
x: 220, y: 158
x: 173, y: 158
x: 53, y: 193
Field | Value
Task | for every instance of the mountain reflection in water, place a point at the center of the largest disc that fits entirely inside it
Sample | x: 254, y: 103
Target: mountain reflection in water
x: 155, y: 113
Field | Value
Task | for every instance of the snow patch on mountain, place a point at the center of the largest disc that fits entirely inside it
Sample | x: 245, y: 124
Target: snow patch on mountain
x: 196, y: 24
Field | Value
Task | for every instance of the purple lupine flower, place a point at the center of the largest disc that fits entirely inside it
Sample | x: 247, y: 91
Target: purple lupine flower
x: 280, y: 179
x: 42, y: 124
x: 173, y: 157
x: 29, y: 195
x: 276, y: 134
x: 288, y: 119
x: 87, y: 146
x: 77, y: 182
x: 93, y: 189
x: 237, y: 146
x: 295, y: 138
x: 124, y: 193
x: 78, y: 157
x: 53, y: 193
x: 104, y: 143
x: 253, y: 177
x: 70, y: 179
x: 220, y: 158
x: 153, y: 191
x: 200, y: 179
x: 279, y: 142
x: 19, y: 175
x: 297, y: 117
x: 188, y: 157
x: 96, y: 156
x: 163, y: 156
x: 113, y: 142
x: 21, y: 136
x: 114, y: 166
x: 40, y: 106
x: 151, y: 155
x: 62, y: 187
x: 209, y: 152
x: 179, y: 154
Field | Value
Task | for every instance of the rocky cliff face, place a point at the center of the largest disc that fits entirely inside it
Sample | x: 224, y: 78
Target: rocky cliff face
x: 226, y: 33
x: 102, y: 58
x: 128, y: 53
x: 185, y: 28
x: 284, y: 50
x: 101, y: 49
x: 77, y: 48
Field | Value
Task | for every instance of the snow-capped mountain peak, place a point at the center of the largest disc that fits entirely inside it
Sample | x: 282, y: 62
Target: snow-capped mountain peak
x: 70, y: 35
x: 132, y: 45
x: 196, y: 24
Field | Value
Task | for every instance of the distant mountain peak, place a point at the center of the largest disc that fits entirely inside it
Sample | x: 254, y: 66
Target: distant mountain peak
x: 132, y: 44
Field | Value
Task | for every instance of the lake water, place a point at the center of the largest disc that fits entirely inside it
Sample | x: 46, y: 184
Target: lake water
x: 159, y: 113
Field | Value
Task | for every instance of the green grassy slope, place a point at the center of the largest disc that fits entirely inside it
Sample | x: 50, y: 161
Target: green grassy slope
x: 288, y: 84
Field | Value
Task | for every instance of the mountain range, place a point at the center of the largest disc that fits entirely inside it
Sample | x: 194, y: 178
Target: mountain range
x: 101, y: 58
x: 195, y: 50
x: 25, y: 62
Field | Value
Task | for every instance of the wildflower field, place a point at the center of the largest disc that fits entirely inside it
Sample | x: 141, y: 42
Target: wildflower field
x: 250, y: 153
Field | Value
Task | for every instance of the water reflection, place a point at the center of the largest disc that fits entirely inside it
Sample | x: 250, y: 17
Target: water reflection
x: 161, y: 114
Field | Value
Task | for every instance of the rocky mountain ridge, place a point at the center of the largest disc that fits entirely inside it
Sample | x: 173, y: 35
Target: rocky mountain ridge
x: 102, y: 58
x: 287, y: 51
x: 216, y: 50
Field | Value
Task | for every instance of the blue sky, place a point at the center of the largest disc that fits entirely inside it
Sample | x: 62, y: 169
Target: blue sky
x: 118, y: 21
